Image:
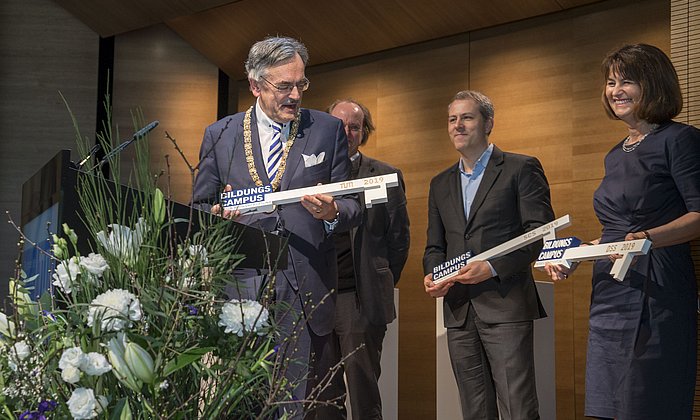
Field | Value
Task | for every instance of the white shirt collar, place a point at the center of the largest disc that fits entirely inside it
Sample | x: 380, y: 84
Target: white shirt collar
x: 263, y: 119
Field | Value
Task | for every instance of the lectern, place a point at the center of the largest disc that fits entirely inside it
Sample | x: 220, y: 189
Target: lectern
x: 49, y: 199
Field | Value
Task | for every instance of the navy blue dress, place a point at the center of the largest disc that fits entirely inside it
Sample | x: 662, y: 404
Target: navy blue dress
x: 642, y: 337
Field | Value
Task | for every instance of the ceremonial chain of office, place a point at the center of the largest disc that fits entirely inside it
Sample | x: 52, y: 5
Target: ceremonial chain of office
x: 247, y: 144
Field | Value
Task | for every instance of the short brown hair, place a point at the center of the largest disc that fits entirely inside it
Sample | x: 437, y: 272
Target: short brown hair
x: 661, y: 97
x: 367, y: 124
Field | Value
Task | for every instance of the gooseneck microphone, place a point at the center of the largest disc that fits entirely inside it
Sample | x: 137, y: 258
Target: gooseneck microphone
x: 89, y: 155
x: 137, y: 135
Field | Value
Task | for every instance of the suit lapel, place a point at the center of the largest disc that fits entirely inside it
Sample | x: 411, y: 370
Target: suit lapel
x: 456, y: 199
x: 294, y: 156
x: 493, y: 169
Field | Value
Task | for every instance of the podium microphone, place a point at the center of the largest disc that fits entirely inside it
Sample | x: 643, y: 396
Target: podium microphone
x: 90, y: 154
x: 137, y: 135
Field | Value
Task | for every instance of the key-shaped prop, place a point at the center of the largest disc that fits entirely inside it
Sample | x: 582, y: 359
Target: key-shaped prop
x: 548, y: 231
x: 262, y: 199
x: 628, y: 250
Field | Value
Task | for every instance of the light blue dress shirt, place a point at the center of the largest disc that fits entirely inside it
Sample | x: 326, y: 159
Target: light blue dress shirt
x: 470, y: 184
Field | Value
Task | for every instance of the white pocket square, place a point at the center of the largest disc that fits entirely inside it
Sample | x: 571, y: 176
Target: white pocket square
x: 313, y: 160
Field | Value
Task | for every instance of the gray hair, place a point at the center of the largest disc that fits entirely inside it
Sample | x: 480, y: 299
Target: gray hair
x: 485, y: 104
x: 271, y: 51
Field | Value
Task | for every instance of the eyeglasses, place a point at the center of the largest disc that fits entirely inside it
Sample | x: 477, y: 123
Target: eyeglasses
x: 288, y: 87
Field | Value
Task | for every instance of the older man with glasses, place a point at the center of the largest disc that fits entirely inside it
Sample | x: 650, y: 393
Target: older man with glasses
x: 276, y: 142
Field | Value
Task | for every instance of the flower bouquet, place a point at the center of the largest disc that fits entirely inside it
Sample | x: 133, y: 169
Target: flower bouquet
x: 138, y: 326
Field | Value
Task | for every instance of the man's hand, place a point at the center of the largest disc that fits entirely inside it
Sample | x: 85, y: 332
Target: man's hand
x: 220, y: 211
x: 473, y: 273
x: 320, y: 206
x: 436, y: 290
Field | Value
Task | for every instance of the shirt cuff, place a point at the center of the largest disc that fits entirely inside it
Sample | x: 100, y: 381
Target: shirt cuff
x: 330, y: 226
x: 493, y: 271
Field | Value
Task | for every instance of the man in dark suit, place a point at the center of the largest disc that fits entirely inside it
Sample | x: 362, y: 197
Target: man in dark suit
x: 278, y: 143
x: 487, y: 198
x: 370, y: 260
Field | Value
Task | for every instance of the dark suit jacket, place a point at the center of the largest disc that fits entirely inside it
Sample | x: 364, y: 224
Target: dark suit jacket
x: 380, y: 246
x: 313, y: 268
x: 513, y: 198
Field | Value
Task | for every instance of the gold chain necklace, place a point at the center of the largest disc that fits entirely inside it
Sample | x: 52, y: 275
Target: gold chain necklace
x: 248, y: 147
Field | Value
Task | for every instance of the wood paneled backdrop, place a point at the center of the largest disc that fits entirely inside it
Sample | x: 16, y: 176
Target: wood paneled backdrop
x: 43, y: 50
x: 542, y: 74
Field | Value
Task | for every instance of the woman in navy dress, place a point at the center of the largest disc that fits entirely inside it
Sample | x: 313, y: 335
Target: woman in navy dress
x: 641, y: 359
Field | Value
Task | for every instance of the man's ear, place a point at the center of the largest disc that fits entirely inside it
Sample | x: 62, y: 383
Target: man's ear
x: 489, y: 126
x: 254, y: 87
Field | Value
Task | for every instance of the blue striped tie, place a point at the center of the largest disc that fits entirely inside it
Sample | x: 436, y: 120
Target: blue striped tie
x: 273, y: 160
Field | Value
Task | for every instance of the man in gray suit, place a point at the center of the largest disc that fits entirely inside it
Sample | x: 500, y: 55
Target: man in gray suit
x: 278, y: 143
x: 370, y: 260
x: 487, y: 198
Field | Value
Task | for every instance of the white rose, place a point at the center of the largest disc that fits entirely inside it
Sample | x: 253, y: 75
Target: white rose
x: 65, y: 275
x: 244, y: 315
x: 18, y: 352
x: 115, y: 309
x: 72, y: 357
x: 95, y: 364
x: 83, y: 404
x: 70, y: 374
x: 95, y: 264
x: 21, y: 350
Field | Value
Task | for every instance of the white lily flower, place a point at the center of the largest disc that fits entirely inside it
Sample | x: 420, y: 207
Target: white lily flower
x: 66, y: 274
x: 7, y: 327
x: 115, y: 352
x: 122, y: 241
x: 139, y: 361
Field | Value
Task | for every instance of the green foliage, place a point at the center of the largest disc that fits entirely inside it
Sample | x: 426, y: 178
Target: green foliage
x: 180, y: 362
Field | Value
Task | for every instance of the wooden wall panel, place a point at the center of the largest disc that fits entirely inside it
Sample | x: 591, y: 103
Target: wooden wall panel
x: 44, y: 50
x: 156, y: 71
x: 412, y: 134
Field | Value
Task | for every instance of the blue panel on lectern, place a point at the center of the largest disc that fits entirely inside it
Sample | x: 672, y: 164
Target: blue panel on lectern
x: 34, y: 261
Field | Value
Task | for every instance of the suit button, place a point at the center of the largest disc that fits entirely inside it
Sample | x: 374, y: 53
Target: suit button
x: 467, y: 236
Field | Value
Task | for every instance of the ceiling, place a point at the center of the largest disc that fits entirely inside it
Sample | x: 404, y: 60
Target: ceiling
x: 224, y: 30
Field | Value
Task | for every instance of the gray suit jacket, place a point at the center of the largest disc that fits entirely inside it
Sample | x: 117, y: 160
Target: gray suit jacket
x: 380, y: 246
x: 313, y: 269
x: 513, y: 198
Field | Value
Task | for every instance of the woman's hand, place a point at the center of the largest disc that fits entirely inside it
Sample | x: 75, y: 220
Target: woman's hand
x: 558, y: 272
